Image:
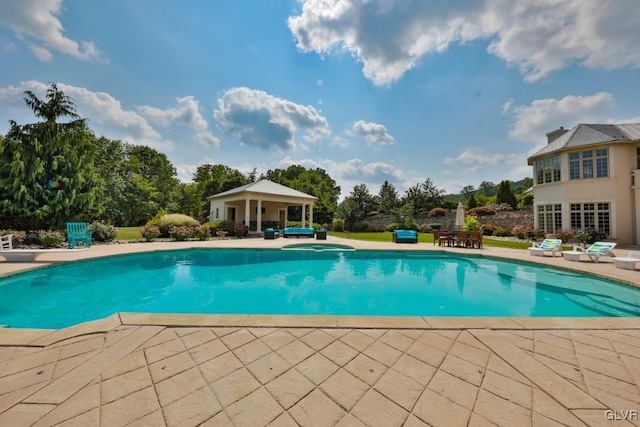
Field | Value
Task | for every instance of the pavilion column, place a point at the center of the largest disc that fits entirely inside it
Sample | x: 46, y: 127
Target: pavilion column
x: 311, y: 215
x: 247, y: 212
x: 259, y: 217
x: 304, y: 213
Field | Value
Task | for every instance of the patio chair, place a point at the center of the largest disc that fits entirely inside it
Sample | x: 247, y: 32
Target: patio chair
x: 476, y: 239
x: 628, y: 262
x: 539, y: 249
x: 6, y: 242
x: 594, y: 252
x: 77, y: 233
x: 437, y: 237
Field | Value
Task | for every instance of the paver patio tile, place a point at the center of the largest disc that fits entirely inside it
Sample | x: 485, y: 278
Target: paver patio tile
x: 554, y: 352
x: 465, y: 337
x: 218, y: 420
x: 19, y: 380
x: 11, y: 398
x: 613, y: 401
x: 317, y: 339
x: 164, y: 335
x: 82, y: 402
x: 164, y: 350
x: 336, y: 332
x: 438, y: 411
x: 153, y: 419
x: 317, y: 368
x: 626, y: 348
x: 118, y: 387
x: 594, y: 417
x: 316, y: 409
x: 208, y: 350
x: 295, y: 352
x: 130, y: 408
x: 633, y: 366
x: 223, y: 331
x: 64, y: 366
x: 33, y: 360
x: 339, y: 353
x: 220, y: 367
x: 373, y: 333
x: 414, y: 334
x: 454, y: 389
x: 508, y: 389
x: 610, y: 356
x: 383, y: 353
x: 197, y: 338
x: 501, y: 367
x: 257, y: 409
x: 413, y: 421
x: 554, y: 338
x: 614, y: 370
x: 90, y: 418
x: 179, y: 386
x: 397, y: 340
x: 420, y: 371
x: 399, y: 388
x: 625, y: 389
x: 130, y: 362
x: 165, y: 368
x: 439, y: 341
x: 592, y: 338
x: 344, y: 389
x: 427, y: 353
x: 268, y: 367
x: 357, y: 340
x: 289, y: 388
x: 366, y: 369
x: 234, y: 386
x: 299, y: 332
x: 24, y: 414
x: 501, y: 411
x: 377, y: 410
x: 251, y: 351
x: 237, y: 339
x: 85, y: 346
x: 543, y: 404
x: 350, y: 421
x: 192, y: 410
x: 262, y: 331
x: 470, y: 372
x: 470, y: 354
x: 517, y: 339
x: 278, y: 338
x: 571, y: 372
x: 181, y: 332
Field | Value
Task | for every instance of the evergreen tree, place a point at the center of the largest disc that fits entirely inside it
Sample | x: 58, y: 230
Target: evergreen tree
x: 47, y: 172
x: 504, y: 194
x: 388, y: 198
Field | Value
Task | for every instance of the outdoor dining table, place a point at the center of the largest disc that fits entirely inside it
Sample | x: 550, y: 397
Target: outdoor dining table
x: 454, y: 239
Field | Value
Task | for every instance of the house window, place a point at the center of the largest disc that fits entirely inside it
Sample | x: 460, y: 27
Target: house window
x: 587, y: 216
x: 549, y: 217
x: 589, y: 164
x: 547, y: 170
x: 638, y: 158
x: 217, y: 213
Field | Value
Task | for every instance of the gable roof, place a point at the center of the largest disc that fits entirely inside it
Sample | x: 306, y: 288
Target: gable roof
x: 265, y: 186
x: 591, y: 134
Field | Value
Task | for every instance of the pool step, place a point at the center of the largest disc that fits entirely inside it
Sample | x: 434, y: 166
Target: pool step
x: 605, y: 304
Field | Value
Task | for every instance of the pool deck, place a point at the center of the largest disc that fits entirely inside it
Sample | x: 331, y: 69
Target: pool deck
x: 254, y: 370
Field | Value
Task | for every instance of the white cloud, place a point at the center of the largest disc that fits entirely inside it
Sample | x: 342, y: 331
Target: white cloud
x: 374, y: 133
x: 187, y: 113
x: 262, y: 120
x: 538, y: 37
x: 476, y: 157
x: 102, y: 109
x: 207, y: 139
x: 533, y: 121
x: 36, y: 22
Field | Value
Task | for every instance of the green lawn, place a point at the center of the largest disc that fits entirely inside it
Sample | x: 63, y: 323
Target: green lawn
x: 423, y: 238
x: 128, y: 233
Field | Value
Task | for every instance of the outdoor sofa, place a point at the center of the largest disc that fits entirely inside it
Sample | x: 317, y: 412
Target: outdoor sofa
x: 405, y: 236
x: 298, y: 232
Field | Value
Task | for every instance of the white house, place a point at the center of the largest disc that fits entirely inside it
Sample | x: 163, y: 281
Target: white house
x: 589, y: 178
x: 260, y: 205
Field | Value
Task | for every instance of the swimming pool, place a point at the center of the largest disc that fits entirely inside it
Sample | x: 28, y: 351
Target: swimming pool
x: 248, y: 281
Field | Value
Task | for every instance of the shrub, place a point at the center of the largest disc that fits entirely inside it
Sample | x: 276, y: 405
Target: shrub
x: 481, y: 211
x: 102, y: 232
x: 338, y: 224
x: 590, y: 236
x: 393, y: 226
x: 360, y: 226
x: 35, y: 237
x: 523, y: 231
x: 150, y: 232
x: 424, y: 228
x: 202, y: 232
x: 500, y: 207
x: 565, y: 235
x: 501, y: 232
x: 298, y: 224
x: 180, y: 233
x: 225, y: 227
x: 52, y: 239
x: 164, y: 222
x: 471, y: 224
x: 488, y: 229
x: 437, y: 212
x: 435, y: 226
x: 240, y: 230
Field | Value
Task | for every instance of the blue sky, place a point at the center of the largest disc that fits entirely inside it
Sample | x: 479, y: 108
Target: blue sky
x: 401, y: 90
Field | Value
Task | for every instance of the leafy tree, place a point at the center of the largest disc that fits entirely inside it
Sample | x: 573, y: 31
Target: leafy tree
x: 424, y: 197
x: 215, y: 179
x: 388, y: 197
x: 111, y: 165
x: 349, y: 210
x: 472, y: 203
x: 157, y: 170
x: 467, y: 191
x: 504, y: 194
x: 47, y: 172
x: 366, y: 202
x: 487, y: 188
x: 189, y: 201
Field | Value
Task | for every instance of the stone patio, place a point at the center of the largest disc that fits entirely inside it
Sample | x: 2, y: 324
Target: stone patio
x: 191, y: 370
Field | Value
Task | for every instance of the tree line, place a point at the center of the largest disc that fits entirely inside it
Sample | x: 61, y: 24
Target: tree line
x: 57, y: 170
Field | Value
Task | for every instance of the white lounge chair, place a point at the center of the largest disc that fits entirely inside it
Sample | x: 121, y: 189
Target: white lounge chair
x: 594, y: 252
x: 6, y: 242
x: 627, y: 262
x: 553, y: 245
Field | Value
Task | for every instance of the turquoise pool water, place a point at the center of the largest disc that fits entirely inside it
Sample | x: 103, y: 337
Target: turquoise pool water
x: 386, y: 283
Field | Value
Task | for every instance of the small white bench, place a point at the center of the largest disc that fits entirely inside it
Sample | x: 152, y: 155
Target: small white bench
x: 29, y: 255
x: 628, y: 262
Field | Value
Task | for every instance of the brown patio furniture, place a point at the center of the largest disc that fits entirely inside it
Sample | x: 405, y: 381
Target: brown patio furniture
x: 476, y: 239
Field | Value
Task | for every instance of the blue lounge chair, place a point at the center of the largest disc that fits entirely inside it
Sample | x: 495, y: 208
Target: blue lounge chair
x: 594, y: 252
x: 539, y: 249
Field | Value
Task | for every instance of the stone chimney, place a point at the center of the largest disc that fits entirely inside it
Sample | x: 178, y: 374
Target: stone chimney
x: 554, y: 134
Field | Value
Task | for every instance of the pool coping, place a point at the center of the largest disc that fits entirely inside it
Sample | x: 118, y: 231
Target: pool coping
x: 44, y: 337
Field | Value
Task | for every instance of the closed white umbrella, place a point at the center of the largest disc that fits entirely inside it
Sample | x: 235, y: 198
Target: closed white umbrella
x: 459, y: 217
